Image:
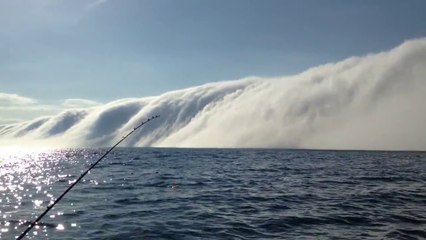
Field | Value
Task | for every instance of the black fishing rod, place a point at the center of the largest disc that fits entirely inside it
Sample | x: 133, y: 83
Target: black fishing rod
x: 35, y: 222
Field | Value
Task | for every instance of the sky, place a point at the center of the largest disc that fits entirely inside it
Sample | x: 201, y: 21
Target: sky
x: 57, y: 54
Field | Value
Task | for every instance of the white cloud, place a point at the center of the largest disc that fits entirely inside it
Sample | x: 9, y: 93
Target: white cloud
x: 14, y: 114
x: 6, y: 120
x: 15, y: 108
x: 12, y: 100
x: 371, y: 102
x: 78, y: 103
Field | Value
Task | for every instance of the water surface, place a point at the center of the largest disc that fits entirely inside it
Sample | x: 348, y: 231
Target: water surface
x: 148, y: 193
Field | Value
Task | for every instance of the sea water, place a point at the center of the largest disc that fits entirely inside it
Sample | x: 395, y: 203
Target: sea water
x: 156, y: 193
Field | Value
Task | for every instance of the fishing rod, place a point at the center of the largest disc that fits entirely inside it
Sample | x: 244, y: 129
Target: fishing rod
x: 35, y: 222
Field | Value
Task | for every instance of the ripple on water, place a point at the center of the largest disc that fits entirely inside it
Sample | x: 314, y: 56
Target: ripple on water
x: 216, y: 194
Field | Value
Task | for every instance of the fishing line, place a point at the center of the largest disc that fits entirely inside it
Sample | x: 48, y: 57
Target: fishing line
x: 35, y: 222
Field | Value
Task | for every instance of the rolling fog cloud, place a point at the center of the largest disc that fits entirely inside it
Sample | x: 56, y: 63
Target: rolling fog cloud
x: 371, y: 102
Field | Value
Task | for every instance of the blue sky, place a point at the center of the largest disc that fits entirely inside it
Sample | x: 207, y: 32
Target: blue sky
x: 52, y: 50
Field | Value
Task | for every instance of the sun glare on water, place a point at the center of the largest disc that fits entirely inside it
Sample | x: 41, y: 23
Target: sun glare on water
x: 29, y: 177
x: 10, y: 154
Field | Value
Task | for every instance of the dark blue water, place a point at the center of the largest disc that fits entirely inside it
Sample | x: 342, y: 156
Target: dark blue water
x: 216, y: 194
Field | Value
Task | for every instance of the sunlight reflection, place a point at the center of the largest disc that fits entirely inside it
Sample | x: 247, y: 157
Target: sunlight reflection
x: 30, y: 180
x: 60, y: 227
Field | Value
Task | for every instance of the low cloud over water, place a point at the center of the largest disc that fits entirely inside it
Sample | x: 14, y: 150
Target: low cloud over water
x: 369, y: 102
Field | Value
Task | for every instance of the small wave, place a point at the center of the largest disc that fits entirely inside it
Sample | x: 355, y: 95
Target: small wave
x: 26, y: 223
x: 408, y: 219
x: 406, y: 234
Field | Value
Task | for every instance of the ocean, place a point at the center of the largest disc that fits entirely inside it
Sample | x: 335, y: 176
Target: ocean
x: 161, y: 193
